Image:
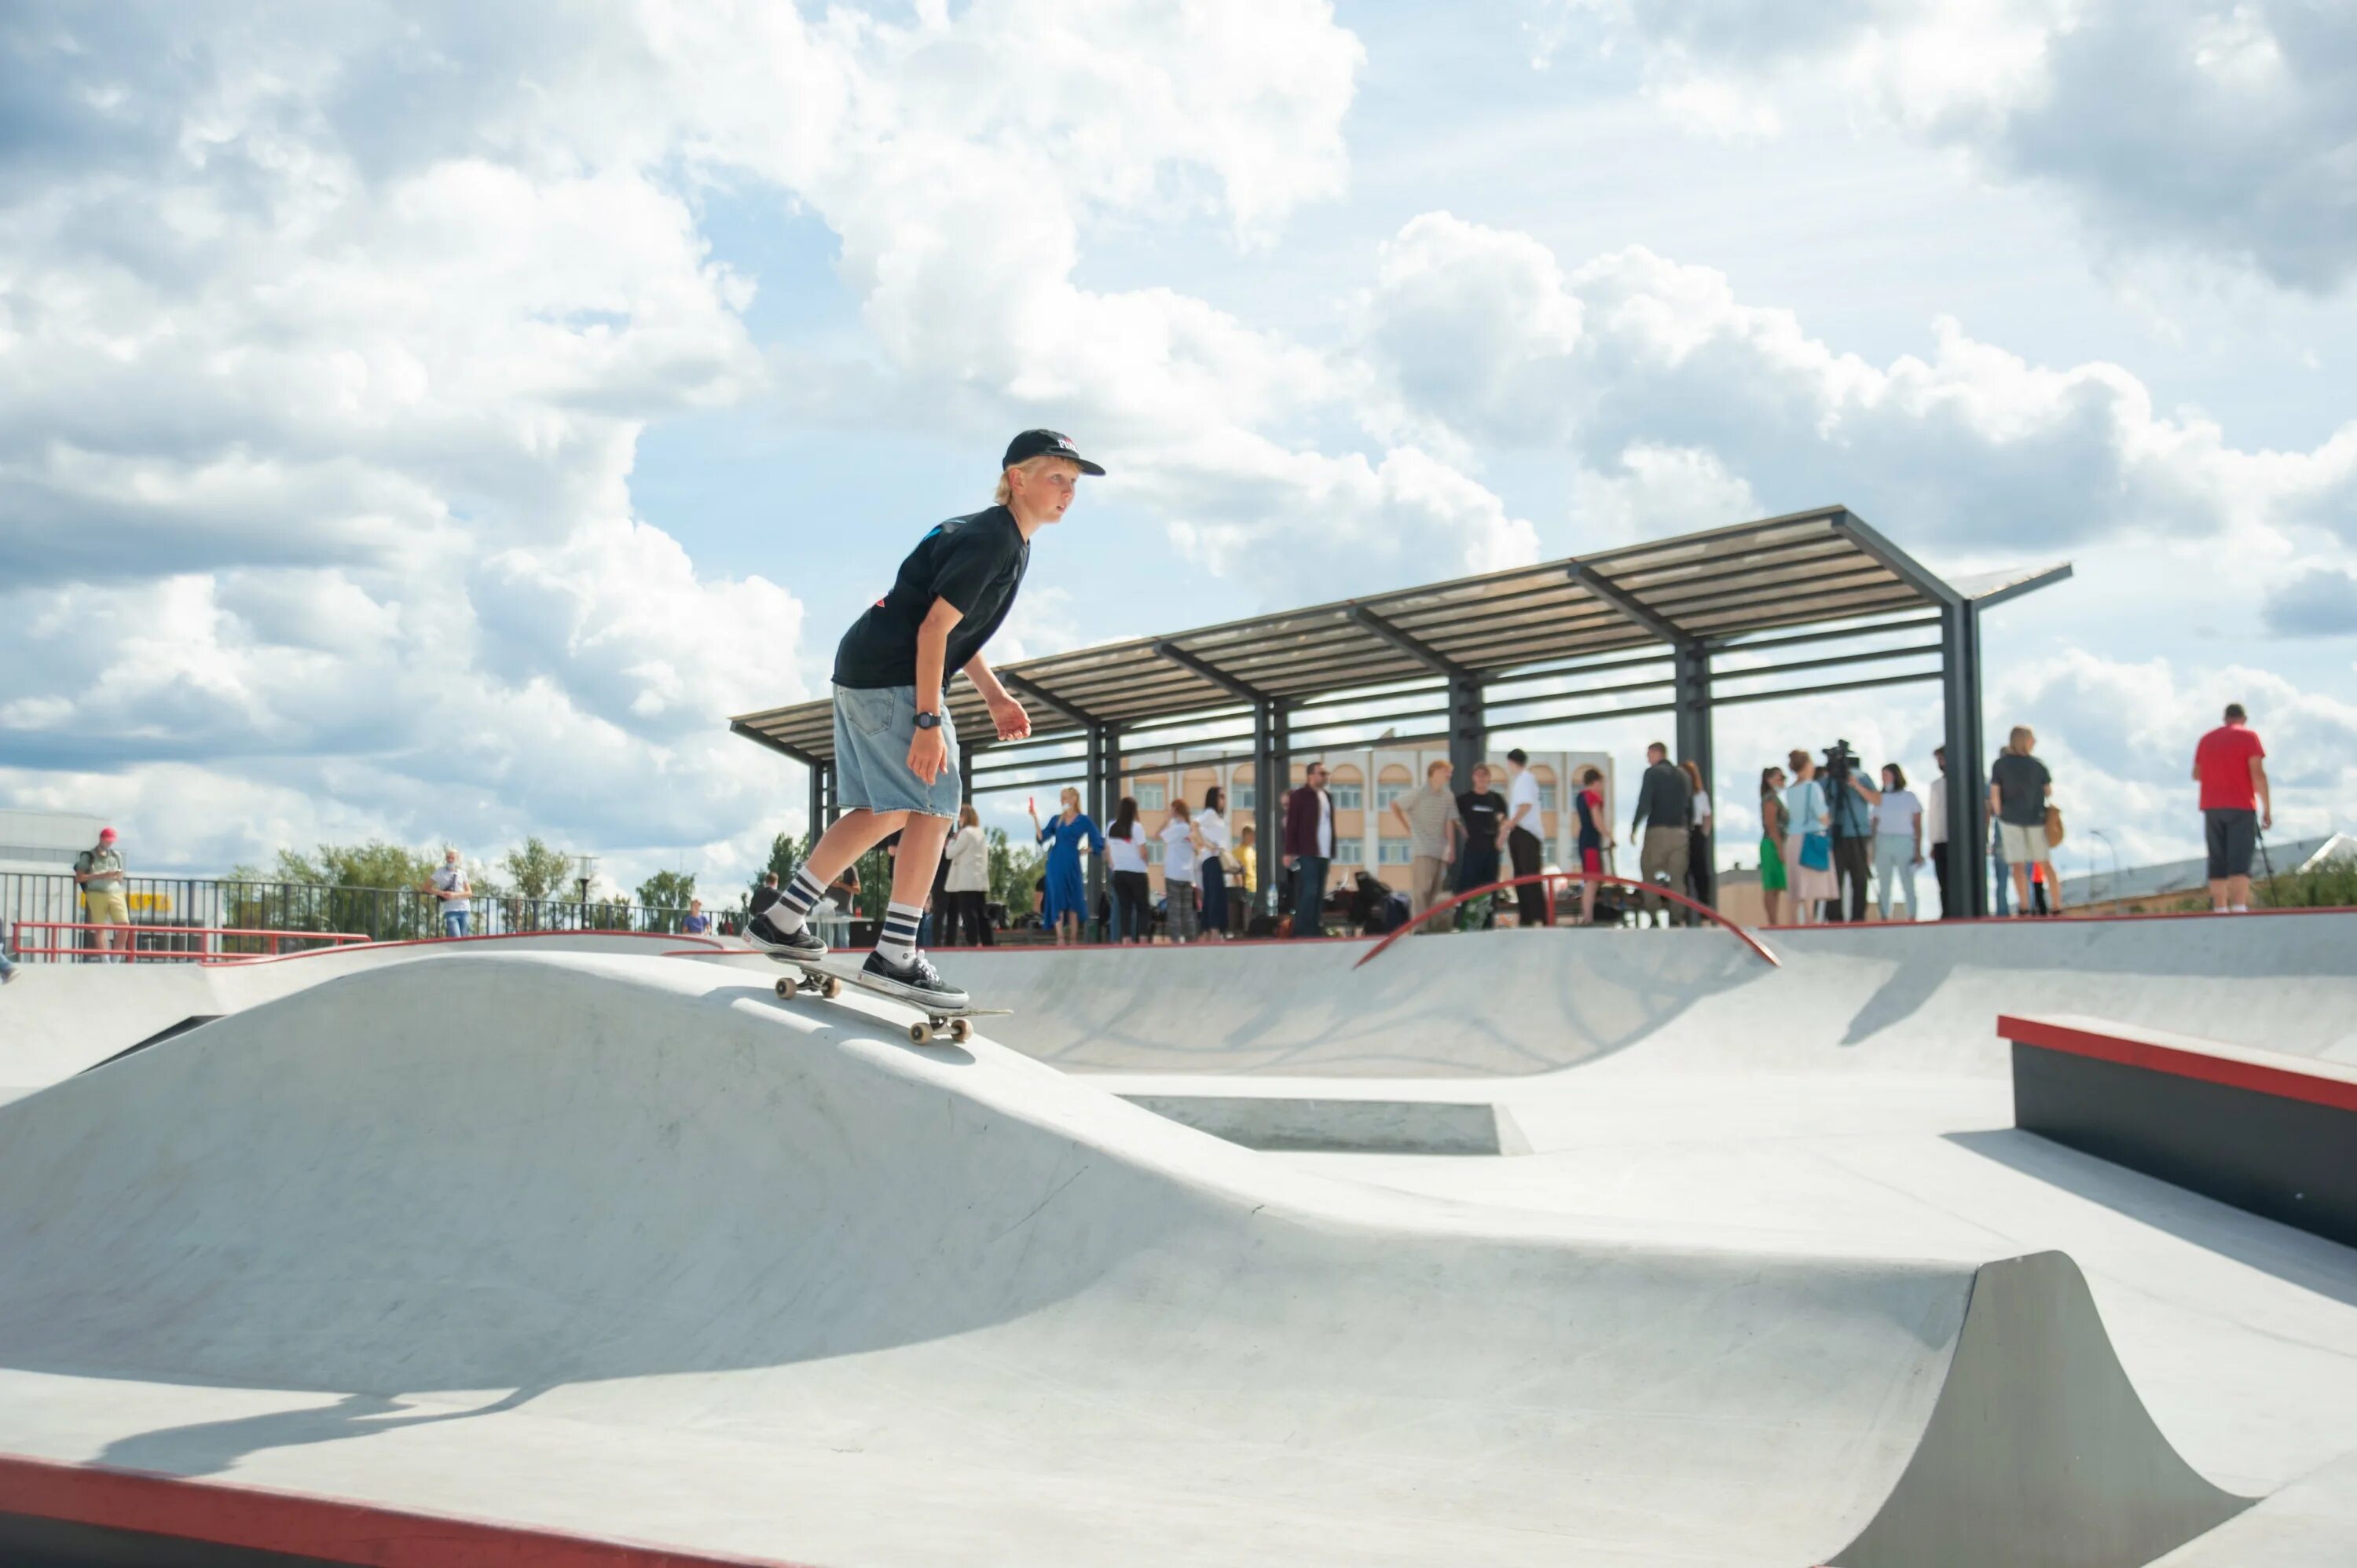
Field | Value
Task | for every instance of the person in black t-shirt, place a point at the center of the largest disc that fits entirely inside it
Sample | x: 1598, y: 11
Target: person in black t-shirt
x: 896, y: 755
x: 1481, y: 816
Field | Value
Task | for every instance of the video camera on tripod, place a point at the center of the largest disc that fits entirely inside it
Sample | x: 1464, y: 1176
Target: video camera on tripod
x: 1840, y: 761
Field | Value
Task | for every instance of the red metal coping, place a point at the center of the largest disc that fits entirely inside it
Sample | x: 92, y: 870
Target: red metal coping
x: 2180, y: 1061
x: 330, y: 1528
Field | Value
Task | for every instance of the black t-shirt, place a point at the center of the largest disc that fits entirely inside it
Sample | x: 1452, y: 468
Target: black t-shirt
x: 763, y: 897
x: 2020, y: 789
x: 976, y: 563
x: 1483, y: 815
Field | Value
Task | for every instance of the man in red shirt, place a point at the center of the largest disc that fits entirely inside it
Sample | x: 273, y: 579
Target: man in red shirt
x: 2230, y: 766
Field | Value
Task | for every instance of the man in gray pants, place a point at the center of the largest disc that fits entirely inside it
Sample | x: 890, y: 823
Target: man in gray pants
x: 1664, y: 803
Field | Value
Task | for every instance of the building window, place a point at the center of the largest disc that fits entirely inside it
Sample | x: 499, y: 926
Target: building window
x: 1347, y: 853
x: 1385, y: 794
x: 1547, y: 797
x: 1240, y: 797
x: 1153, y: 850
x: 1347, y: 797
x: 1394, y: 852
x: 1154, y: 796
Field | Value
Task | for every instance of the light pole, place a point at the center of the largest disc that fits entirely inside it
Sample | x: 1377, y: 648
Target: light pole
x: 2100, y: 833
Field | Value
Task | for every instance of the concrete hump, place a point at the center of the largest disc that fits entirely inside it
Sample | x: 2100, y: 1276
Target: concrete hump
x: 646, y: 1198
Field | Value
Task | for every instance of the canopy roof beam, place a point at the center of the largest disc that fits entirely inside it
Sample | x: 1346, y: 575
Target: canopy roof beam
x: 1211, y: 673
x: 1407, y: 642
x: 1633, y: 608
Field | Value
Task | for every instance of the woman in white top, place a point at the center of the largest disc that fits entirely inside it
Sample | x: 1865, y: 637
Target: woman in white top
x: 1211, y: 831
x: 1699, y: 868
x: 968, y: 883
x: 1898, y: 840
x: 1180, y: 846
x: 1133, y: 889
x: 1804, y: 804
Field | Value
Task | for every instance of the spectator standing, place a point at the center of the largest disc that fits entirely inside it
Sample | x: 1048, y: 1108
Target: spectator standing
x: 2237, y: 804
x: 1309, y: 849
x: 1133, y: 888
x: 1850, y: 799
x: 8, y: 964
x: 1773, y: 821
x: 1532, y: 905
x: 1588, y: 803
x: 1701, y: 868
x: 2019, y: 788
x: 1480, y: 821
x: 1066, y: 905
x: 1211, y: 832
x: 98, y: 871
x: 456, y: 893
x: 1663, y: 812
x: 698, y: 923
x: 1425, y: 813
x: 1935, y: 830
x: 763, y: 897
x: 1181, y: 849
x: 966, y: 889
x: 1245, y: 863
x: 1898, y: 840
x: 1809, y: 866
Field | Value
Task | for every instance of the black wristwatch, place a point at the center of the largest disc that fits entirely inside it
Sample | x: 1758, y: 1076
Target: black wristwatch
x: 929, y: 721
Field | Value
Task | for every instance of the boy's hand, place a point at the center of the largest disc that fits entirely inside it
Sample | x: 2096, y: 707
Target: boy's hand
x: 928, y: 755
x: 1007, y: 713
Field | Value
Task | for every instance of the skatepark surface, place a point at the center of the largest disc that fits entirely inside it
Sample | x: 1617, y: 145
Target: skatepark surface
x: 585, y: 1236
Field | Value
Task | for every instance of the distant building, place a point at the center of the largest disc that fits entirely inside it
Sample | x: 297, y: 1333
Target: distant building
x: 44, y: 841
x: 2159, y: 889
x: 1363, y: 784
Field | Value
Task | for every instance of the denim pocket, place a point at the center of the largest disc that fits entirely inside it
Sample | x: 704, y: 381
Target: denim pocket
x: 869, y: 709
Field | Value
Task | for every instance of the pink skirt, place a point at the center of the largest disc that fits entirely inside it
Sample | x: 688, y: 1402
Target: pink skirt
x: 1804, y: 883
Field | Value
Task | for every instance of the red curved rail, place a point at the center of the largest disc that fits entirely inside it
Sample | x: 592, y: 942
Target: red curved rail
x: 1746, y: 938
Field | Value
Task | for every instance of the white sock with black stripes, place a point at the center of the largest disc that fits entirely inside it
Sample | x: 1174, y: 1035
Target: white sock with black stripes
x: 791, y: 911
x: 898, y: 940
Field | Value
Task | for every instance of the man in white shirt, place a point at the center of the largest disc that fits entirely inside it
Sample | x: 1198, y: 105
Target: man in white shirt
x: 1935, y: 829
x: 456, y: 893
x: 1523, y: 844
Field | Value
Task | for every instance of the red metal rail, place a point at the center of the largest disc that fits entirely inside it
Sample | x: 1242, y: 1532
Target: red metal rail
x: 130, y: 950
x: 1746, y: 938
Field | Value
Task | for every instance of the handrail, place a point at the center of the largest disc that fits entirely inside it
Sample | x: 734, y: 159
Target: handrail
x: 1746, y: 938
x: 132, y: 952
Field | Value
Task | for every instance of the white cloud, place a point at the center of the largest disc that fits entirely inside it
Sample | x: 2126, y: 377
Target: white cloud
x: 2224, y: 128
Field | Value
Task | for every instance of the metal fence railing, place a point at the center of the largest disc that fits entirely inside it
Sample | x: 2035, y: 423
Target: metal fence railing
x: 256, y: 910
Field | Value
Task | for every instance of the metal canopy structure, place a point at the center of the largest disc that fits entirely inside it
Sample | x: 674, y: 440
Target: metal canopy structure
x: 1676, y: 626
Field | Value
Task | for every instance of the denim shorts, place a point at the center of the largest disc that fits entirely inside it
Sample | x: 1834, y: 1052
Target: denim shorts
x: 873, y: 728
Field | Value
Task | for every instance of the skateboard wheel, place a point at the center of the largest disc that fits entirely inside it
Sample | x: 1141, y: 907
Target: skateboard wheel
x: 961, y: 1030
x: 921, y: 1033
x: 785, y: 990
x: 831, y: 988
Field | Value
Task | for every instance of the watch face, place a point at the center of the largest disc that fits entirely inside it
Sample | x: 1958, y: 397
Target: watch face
x: 929, y: 721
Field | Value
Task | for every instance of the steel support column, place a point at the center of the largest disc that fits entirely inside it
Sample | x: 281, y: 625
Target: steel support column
x: 818, y: 772
x: 1690, y: 674
x: 1468, y: 731
x: 1272, y: 776
x: 1104, y: 787
x: 1960, y: 690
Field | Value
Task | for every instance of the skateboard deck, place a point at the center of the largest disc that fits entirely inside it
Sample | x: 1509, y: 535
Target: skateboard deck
x: 813, y: 978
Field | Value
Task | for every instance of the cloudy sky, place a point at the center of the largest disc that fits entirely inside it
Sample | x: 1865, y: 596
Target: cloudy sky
x: 432, y: 420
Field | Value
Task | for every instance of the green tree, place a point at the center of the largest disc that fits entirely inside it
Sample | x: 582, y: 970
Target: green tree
x: 664, y: 896
x: 537, y: 871
x: 2330, y: 884
x: 373, y: 888
x: 1014, y: 872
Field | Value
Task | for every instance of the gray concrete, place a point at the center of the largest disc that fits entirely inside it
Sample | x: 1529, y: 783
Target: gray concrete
x: 1328, y: 1126
x: 622, y: 1245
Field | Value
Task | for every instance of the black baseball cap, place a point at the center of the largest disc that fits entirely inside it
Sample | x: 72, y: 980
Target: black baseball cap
x: 1046, y: 444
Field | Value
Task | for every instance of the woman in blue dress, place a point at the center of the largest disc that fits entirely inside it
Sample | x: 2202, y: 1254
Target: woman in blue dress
x: 1067, y: 902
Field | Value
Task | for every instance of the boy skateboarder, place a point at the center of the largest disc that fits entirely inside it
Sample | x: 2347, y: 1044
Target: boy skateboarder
x: 895, y: 752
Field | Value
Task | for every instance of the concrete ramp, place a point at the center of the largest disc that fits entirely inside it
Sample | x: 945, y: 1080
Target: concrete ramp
x: 1920, y: 999
x: 513, y: 1220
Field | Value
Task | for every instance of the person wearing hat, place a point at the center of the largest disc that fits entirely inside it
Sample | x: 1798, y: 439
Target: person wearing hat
x: 896, y: 752
x: 98, y: 870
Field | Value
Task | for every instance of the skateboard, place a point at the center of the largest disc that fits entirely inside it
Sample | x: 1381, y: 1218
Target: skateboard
x: 816, y: 979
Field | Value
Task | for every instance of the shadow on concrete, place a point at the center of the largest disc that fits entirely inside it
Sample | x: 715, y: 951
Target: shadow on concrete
x: 2293, y: 1256
x: 210, y: 1448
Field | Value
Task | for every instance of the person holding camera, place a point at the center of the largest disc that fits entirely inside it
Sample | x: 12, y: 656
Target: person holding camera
x: 1851, y: 801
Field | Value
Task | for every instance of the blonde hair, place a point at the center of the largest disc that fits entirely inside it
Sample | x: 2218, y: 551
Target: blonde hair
x: 1029, y: 466
x: 2021, y: 732
x: 1069, y: 794
x: 967, y: 817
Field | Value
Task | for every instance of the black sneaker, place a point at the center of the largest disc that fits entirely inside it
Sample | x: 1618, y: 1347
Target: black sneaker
x: 804, y: 945
x: 917, y: 981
